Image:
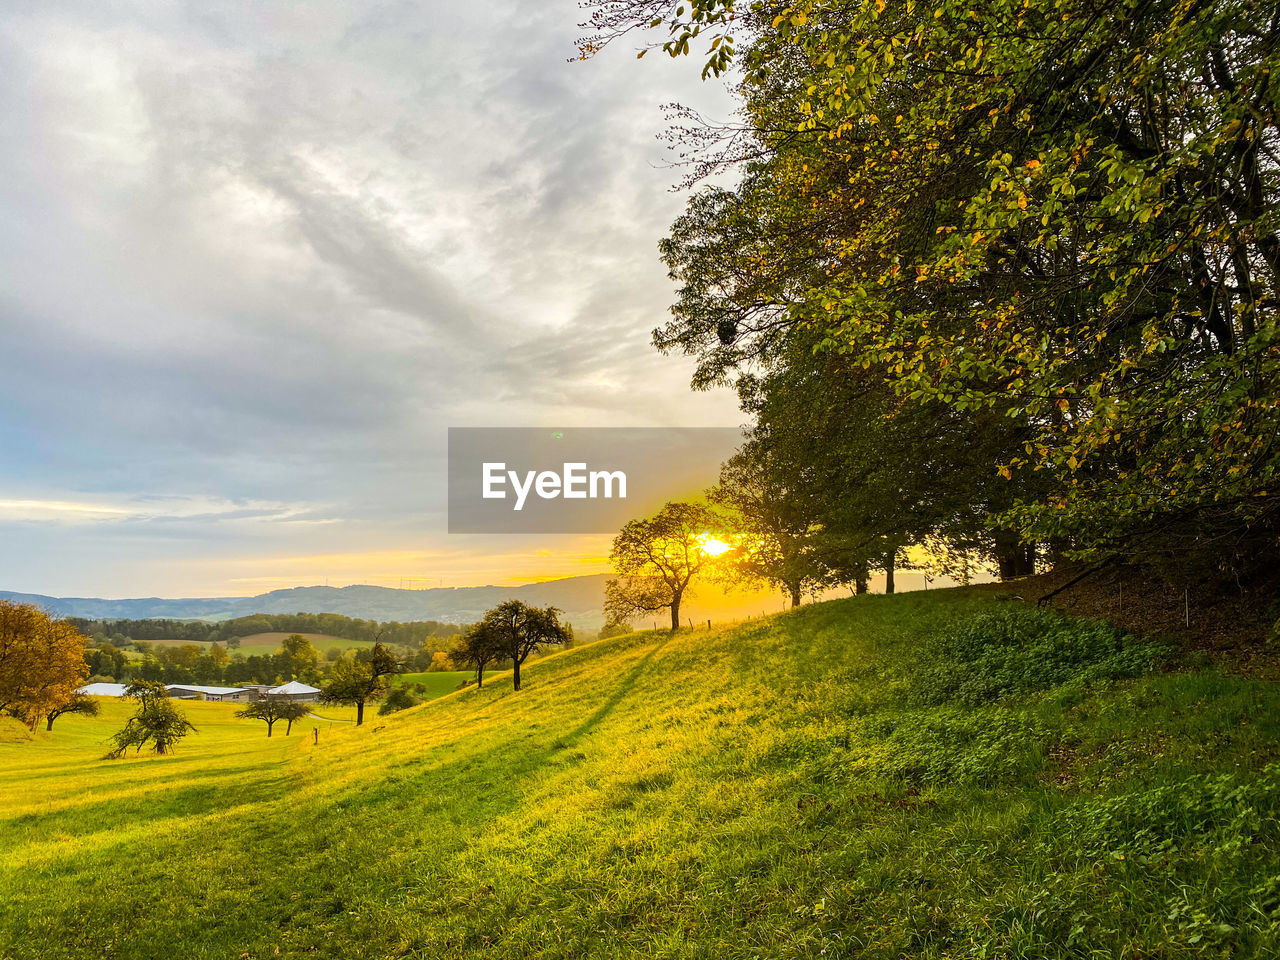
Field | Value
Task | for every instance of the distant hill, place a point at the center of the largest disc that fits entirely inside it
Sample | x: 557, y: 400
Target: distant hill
x: 581, y: 599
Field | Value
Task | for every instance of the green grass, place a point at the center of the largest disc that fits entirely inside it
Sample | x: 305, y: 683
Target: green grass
x: 436, y: 684
x: 803, y: 786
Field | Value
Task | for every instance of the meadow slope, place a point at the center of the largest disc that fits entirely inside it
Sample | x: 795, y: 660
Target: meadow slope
x: 869, y: 777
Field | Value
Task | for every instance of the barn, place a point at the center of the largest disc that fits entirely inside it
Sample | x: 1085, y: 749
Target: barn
x: 103, y: 689
x: 183, y: 691
x: 295, y: 690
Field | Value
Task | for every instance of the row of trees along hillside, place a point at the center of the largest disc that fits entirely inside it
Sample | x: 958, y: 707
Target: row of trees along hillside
x: 228, y: 632
x: 1000, y: 280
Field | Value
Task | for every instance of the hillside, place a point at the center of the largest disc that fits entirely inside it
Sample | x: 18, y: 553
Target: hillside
x: 875, y: 777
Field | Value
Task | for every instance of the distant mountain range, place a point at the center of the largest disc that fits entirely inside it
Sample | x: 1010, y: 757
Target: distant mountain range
x: 581, y: 599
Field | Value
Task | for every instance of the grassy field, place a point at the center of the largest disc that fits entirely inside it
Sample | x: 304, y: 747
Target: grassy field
x: 437, y: 684
x: 874, y: 777
x: 264, y: 643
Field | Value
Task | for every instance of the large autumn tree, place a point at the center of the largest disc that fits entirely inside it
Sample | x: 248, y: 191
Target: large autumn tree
x: 1060, y: 211
x: 41, y: 662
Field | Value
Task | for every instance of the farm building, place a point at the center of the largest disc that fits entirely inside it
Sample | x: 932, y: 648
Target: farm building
x: 182, y: 691
x: 294, y: 690
x: 103, y: 689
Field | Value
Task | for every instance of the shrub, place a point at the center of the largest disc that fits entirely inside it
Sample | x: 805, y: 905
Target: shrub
x: 961, y: 746
x: 1018, y: 649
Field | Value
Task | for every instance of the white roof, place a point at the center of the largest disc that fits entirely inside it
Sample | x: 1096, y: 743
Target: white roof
x: 197, y: 689
x: 103, y: 689
x: 292, y: 687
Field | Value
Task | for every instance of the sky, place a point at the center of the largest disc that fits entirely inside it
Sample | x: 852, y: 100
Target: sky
x: 256, y: 258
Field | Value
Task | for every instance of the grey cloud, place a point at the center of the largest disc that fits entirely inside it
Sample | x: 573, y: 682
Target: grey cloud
x: 257, y: 252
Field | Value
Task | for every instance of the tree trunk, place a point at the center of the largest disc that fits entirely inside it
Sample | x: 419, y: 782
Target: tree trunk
x: 860, y: 585
x: 480, y: 677
x: 795, y: 595
x: 1058, y: 547
x: 359, y: 712
x: 889, y: 564
x: 289, y: 727
x: 1014, y: 558
x: 515, y: 673
x: 50, y: 718
x: 675, y: 614
x: 270, y: 724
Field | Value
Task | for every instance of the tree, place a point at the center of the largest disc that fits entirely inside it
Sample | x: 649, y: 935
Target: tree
x: 105, y: 660
x: 42, y: 661
x: 79, y: 703
x: 614, y: 628
x: 157, y: 721
x: 299, y: 659
x: 478, y: 649
x: 1059, y: 211
x: 517, y: 630
x: 656, y: 559
x: 400, y: 698
x: 358, y: 681
x: 772, y: 530
x: 270, y: 709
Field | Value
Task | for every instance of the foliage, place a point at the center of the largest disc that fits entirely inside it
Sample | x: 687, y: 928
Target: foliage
x: 656, y: 559
x: 299, y: 657
x: 513, y: 631
x: 614, y: 628
x: 78, y: 703
x: 1061, y: 212
x: 157, y: 721
x: 411, y: 634
x: 480, y: 647
x: 270, y: 709
x: 400, y: 698
x: 358, y: 681
x: 1014, y: 649
x: 770, y: 526
x: 41, y: 662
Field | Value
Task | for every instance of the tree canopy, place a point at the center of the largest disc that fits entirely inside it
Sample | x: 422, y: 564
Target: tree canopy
x: 1056, y: 213
x: 271, y: 709
x: 157, y: 722
x: 41, y: 662
x: 657, y: 558
x: 357, y: 681
x: 514, y: 630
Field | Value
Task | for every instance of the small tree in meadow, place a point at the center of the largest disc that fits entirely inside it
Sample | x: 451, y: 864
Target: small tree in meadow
x: 400, y: 698
x: 478, y: 649
x: 78, y: 703
x: 359, y: 681
x: 158, y: 722
x: 517, y: 630
x: 272, y: 709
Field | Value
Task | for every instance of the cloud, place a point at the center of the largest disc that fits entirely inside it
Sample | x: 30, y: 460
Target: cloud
x: 262, y: 255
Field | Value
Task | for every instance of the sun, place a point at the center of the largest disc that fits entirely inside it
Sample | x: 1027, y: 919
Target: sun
x: 713, y: 547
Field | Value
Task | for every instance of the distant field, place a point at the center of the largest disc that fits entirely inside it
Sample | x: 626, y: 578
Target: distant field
x: 437, y: 684
x: 262, y: 643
